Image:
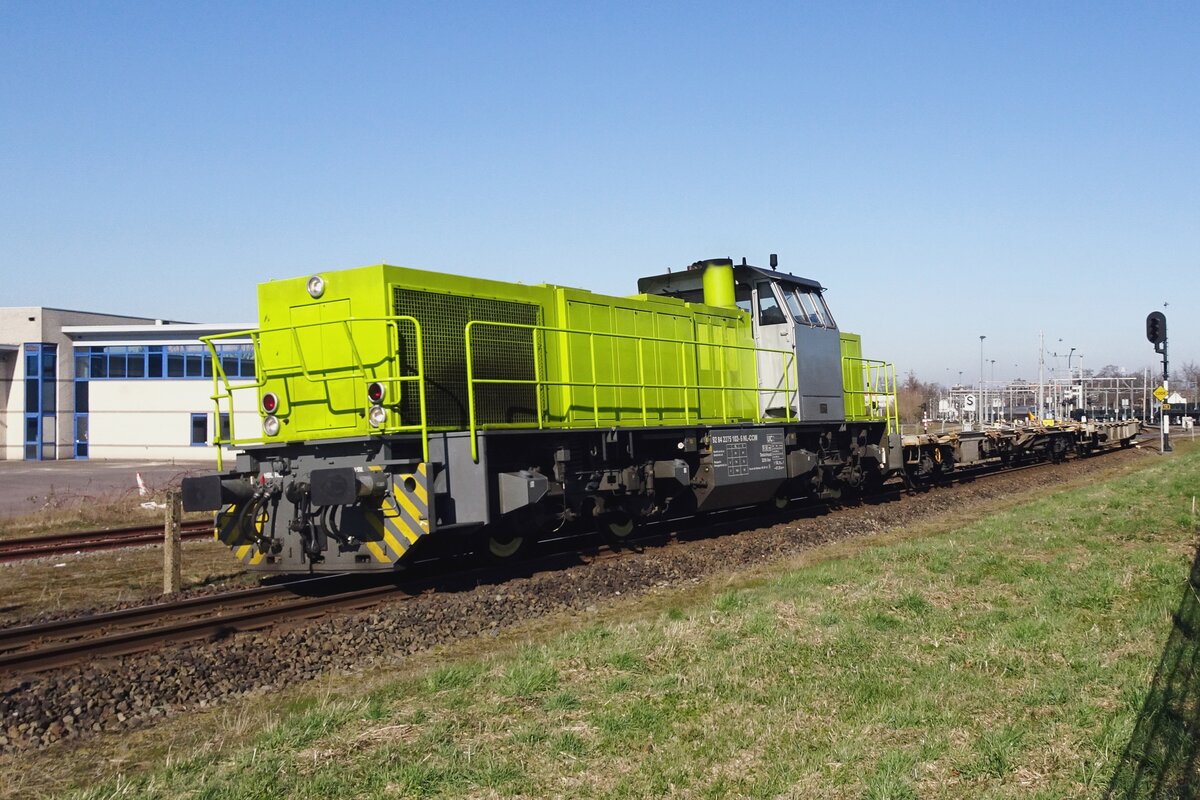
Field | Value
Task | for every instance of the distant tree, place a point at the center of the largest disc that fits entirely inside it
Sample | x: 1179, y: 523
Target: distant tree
x: 1110, y: 371
x: 1189, y: 372
x: 914, y: 398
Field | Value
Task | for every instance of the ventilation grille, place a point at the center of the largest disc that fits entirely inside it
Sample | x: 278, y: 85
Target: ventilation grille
x: 498, y: 353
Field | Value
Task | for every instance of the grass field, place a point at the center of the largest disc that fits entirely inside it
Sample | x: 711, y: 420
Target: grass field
x: 1045, y: 651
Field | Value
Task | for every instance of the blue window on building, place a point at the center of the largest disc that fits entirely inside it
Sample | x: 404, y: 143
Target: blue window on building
x: 126, y: 362
x: 41, y: 400
x: 154, y: 361
x: 81, y: 436
x: 82, y: 403
x: 199, y: 430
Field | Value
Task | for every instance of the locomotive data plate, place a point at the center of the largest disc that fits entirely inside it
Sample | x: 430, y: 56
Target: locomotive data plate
x: 748, y: 456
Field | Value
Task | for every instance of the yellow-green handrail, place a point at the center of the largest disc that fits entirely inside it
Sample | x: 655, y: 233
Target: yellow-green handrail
x: 878, y: 381
x: 224, y: 390
x: 787, y: 358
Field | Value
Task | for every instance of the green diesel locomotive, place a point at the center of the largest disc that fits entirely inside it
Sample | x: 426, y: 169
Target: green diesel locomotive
x: 391, y: 404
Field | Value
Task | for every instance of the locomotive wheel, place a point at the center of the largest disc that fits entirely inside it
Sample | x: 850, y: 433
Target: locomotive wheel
x: 503, y: 543
x: 616, y: 526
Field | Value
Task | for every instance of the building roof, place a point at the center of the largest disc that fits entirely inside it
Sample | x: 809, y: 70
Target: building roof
x: 165, y: 332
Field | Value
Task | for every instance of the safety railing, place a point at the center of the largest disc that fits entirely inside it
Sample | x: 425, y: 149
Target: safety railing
x: 689, y: 353
x: 375, y: 371
x: 870, y: 389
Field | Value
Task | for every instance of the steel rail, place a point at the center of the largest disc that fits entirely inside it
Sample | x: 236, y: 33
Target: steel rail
x: 24, y: 650
x: 143, y: 628
x: 26, y: 547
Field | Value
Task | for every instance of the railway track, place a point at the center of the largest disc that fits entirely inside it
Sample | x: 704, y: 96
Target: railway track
x: 45, y: 646
x: 41, y: 647
x: 85, y: 541
x: 133, y: 689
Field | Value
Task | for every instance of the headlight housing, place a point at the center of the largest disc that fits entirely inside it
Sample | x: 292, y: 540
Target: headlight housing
x: 377, y: 416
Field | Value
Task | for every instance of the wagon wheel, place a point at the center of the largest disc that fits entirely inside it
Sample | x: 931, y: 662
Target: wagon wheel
x: 781, y: 500
x: 616, y: 526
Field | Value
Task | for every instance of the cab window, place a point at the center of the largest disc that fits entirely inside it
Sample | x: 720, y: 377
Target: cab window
x: 769, y: 312
x: 808, y: 308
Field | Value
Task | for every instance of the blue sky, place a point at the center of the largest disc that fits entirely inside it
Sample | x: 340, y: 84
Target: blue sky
x: 946, y: 170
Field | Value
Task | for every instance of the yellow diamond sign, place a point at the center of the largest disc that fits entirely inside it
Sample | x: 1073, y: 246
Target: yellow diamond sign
x: 1160, y: 394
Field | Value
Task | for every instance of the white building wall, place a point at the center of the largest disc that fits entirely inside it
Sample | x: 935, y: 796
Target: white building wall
x: 11, y: 432
x: 20, y: 325
x: 17, y: 326
x: 152, y: 419
x: 139, y: 418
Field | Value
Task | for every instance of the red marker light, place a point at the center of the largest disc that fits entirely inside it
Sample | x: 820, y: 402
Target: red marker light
x: 376, y: 392
x: 270, y: 403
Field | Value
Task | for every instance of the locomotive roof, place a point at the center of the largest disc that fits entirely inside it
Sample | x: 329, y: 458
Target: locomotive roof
x: 693, y: 278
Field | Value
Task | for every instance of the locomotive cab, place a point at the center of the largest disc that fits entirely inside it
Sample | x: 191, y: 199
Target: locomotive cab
x: 787, y: 313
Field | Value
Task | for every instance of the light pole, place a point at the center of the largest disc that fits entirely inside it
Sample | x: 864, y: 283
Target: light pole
x: 1071, y: 379
x: 1058, y: 404
x: 1071, y: 376
x: 992, y: 380
x: 958, y: 403
x: 1058, y: 390
x: 1012, y: 394
x: 978, y: 418
x: 1082, y: 388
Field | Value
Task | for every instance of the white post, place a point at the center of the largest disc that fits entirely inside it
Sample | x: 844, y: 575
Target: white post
x: 1164, y: 420
x: 1041, y: 376
x: 982, y: 400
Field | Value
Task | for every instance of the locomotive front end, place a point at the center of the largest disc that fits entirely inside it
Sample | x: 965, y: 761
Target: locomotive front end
x: 335, y: 478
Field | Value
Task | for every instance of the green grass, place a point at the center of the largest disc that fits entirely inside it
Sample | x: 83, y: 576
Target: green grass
x: 1013, y: 657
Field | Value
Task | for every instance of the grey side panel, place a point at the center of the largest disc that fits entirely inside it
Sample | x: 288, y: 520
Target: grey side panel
x: 819, y: 357
x: 520, y: 489
x: 740, y: 456
x: 742, y: 466
x: 459, y: 489
x: 895, y: 452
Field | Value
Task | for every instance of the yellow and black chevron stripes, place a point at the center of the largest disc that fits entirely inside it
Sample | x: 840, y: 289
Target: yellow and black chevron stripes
x: 227, y: 532
x: 402, y: 517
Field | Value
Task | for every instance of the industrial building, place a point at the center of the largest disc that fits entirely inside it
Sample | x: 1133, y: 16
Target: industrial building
x: 83, y: 385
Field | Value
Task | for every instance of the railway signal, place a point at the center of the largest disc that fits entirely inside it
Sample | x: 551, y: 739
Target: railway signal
x: 1156, y: 333
x: 1156, y: 329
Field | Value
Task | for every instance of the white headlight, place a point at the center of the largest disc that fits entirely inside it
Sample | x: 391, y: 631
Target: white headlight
x: 316, y: 286
x: 271, y: 426
x: 377, y: 416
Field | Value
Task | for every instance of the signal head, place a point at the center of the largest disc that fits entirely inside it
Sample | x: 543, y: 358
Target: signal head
x: 1156, y: 327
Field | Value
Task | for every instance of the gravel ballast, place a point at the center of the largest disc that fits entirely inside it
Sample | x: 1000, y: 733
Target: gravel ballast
x: 137, y: 690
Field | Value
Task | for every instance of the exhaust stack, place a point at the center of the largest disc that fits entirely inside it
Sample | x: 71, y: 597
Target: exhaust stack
x: 718, y: 283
